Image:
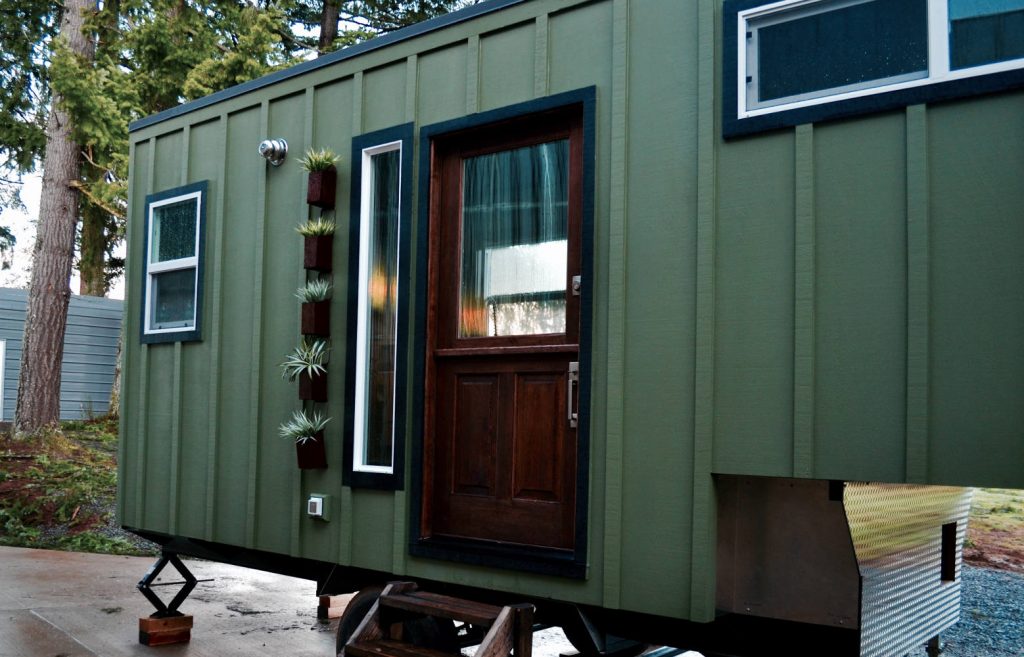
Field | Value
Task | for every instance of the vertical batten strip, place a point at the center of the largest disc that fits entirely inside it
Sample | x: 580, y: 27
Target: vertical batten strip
x: 803, y: 311
x: 400, y: 526
x: 918, y: 294
x: 177, y: 376
x: 541, y: 63
x: 122, y: 428
x: 347, y: 502
x: 473, y: 74
x: 298, y: 476
x: 255, y: 389
x: 141, y: 433
x: 175, y: 460
x: 617, y: 250
x: 214, y: 333
x: 702, y: 548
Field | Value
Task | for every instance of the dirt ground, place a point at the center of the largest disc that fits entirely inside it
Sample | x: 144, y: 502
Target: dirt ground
x: 995, y: 532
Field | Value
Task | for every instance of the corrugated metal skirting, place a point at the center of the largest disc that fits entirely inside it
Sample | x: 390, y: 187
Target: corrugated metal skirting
x: 897, y: 535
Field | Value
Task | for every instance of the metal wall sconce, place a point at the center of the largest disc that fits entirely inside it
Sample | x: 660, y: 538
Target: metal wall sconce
x: 274, y: 150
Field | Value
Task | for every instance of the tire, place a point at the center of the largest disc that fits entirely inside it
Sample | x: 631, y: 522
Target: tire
x: 429, y: 632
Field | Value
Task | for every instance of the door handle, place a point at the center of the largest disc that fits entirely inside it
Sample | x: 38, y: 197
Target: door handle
x: 572, y: 379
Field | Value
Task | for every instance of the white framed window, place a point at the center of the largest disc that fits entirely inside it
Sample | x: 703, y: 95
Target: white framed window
x: 173, y: 282
x: 377, y: 324
x: 378, y: 309
x: 796, y: 54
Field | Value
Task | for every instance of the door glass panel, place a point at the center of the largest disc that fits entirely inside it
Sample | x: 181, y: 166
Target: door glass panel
x: 985, y: 31
x: 174, y: 231
x: 514, y: 241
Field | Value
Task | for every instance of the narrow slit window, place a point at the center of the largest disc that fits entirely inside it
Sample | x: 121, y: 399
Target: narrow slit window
x: 377, y: 324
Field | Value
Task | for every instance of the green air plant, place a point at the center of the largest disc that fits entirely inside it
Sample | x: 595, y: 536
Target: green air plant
x: 314, y: 291
x: 308, y: 358
x: 302, y: 428
x: 318, y: 160
x: 317, y: 227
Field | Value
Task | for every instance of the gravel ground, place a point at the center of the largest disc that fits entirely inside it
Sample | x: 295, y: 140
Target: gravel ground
x: 991, y: 616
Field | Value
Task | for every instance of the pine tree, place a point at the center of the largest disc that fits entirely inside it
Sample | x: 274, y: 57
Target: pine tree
x: 43, y: 345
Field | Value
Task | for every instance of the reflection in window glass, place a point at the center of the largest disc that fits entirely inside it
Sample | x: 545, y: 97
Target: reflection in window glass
x: 173, y: 299
x: 174, y: 231
x: 985, y: 32
x: 379, y: 310
x: 514, y: 248
x: 807, y: 55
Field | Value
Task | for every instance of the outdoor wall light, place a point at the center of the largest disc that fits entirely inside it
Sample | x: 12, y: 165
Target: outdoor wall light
x: 275, y: 150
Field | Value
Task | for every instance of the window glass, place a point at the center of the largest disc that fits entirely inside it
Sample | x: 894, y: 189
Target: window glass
x: 985, y: 32
x: 174, y: 231
x: 172, y: 303
x: 514, y: 248
x: 381, y: 307
x: 844, y: 48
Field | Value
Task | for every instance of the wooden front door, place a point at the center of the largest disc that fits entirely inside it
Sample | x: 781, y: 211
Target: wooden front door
x: 503, y: 332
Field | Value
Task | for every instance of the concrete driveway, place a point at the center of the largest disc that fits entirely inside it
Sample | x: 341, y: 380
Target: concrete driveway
x: 66, y: 604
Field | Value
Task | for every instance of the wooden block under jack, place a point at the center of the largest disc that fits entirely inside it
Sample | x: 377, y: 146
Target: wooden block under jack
x: 332, y: 606
x: 165, y: 631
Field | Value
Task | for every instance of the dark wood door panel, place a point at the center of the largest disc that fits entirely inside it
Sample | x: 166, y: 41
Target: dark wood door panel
x: 539, y: 437
x: 506, y: 458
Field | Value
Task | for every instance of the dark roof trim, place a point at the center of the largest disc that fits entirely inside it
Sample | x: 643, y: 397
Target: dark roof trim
x: 411, y: 32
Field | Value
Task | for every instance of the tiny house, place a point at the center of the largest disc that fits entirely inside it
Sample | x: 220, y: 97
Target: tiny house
x: 688, y: 322
x: 88, y: 368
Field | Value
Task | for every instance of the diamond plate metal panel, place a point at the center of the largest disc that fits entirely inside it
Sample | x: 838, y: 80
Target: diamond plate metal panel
x: 897, y: 536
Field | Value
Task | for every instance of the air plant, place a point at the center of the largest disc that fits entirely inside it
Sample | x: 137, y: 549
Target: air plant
x: 317, y: 227
x: 318, y: 160
x: 314, y: 291
x: 302, y: 428
x: 308, y: 358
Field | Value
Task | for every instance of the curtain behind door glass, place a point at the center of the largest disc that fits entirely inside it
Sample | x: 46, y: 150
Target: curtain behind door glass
x: 382, y: 308
x: 514, y: 241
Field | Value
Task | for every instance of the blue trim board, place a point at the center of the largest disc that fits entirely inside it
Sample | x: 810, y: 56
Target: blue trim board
x: 733, y: 126
x: 548, y: 562
x: 194, y: 334
x: 350, y: 477
x: 398, y: 36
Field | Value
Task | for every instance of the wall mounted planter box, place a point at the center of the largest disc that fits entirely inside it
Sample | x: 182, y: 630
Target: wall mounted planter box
x: 318, y: 252
x: 316, y: 318
x: 313, y: 388
x: 312, y: 454
x: 320, y: 189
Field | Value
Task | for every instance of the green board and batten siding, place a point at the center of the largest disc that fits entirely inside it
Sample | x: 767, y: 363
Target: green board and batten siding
x: 842, y: 300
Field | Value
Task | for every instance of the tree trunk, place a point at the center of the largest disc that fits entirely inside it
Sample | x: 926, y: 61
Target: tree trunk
x: 92, y: 263
x: 43, y: 345
x: 328, y: 25
x: 114, y: 408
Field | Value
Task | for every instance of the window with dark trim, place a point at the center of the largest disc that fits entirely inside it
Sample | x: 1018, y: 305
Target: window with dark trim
x: 173, y: 284
x: 378, y: 302
x: 798, y: 61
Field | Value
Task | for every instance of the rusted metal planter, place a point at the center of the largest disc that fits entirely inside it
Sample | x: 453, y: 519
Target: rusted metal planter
x: 321, y: 188
x: 318, y: 252
x: 313, y: 388
x: 312, y: 454
x: 316, y: 318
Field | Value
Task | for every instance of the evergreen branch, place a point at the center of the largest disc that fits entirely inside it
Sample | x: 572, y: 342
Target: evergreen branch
x: 119, y: 213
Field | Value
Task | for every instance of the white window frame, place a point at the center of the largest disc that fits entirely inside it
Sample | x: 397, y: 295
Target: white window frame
x: 359, y: 436
x: 938, y: 56
x: 153, y: 268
